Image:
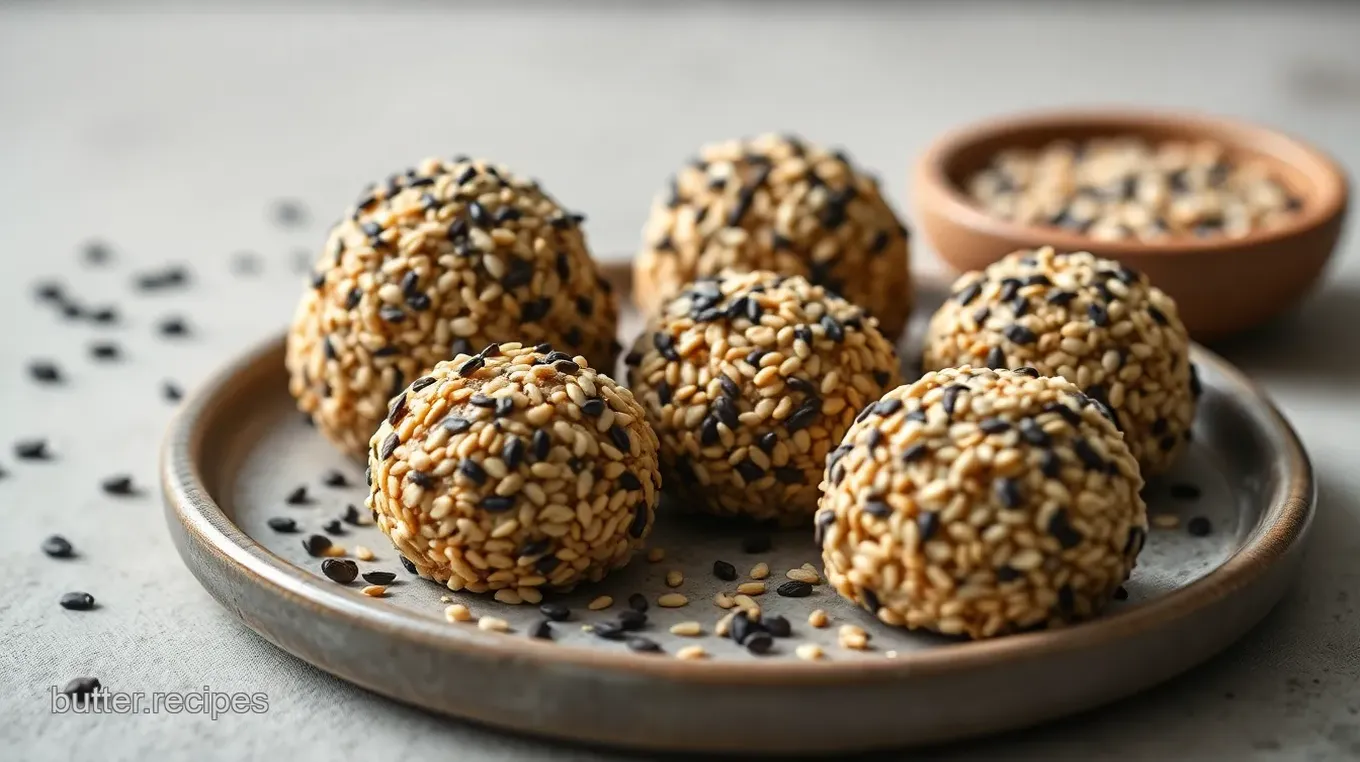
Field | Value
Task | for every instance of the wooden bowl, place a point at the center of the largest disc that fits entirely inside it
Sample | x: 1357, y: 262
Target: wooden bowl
x: 1221, y: 285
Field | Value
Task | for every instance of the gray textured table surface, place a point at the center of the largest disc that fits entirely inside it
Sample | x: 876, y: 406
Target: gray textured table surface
x: 167, y: 133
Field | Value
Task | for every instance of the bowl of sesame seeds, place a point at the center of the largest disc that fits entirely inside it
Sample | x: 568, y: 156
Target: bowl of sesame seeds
x: 1191, y: 200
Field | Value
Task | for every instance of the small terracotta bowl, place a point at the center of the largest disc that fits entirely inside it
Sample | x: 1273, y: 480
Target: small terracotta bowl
x: 1221, y: 285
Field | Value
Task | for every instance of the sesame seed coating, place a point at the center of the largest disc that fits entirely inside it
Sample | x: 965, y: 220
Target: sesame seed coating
x: 496, y: 479
x: 435, y: 262
x: 1092, y: 321
x: 749, y: 380
x: 778, y: 203
x: 986, y: 533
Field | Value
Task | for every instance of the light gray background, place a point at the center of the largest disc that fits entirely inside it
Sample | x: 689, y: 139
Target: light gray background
x: 168, y: 131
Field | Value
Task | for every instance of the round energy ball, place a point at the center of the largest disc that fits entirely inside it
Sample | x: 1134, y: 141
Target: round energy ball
x: 514, y: 469
x: 778, y: 203
x: 1092, y: 321
x: 437, y: 261
x: 749, y: 379
x: 980, y: 502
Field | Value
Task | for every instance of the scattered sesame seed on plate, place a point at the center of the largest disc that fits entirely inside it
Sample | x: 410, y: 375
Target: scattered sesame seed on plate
x: 672, y: 600
x: 1165, y: 520
x: 601, y: 603
x: 687, y: 629
x: 751, y: 588
x: 57, y: 546
x: 340, y: 570
x: 374, y: 591
x: 379, y: 577
x: 675, y: 578
x: 760, y: 571
x: 809, y: 651
x: 690, y: 653
x: 817, y: 618
x: 77, y: 601
x: 362, y: 553
x: 493, y: 624
x: 656, y: 555
x: 457, y: 613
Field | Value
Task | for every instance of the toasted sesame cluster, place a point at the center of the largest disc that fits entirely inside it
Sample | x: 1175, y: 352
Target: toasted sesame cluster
x: 514, y: 469
x: 749, y: 379
x: 1092, y: 321
x: 439, y: 260
x: 1126, y: 188
x: 778, y: 203
x: 981, y: 502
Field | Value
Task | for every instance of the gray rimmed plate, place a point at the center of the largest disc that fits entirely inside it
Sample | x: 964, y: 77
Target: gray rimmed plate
x: 238, y: 448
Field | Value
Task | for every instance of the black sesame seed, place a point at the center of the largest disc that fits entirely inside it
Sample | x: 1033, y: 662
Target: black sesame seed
x: 1019, y: 334
x: 950, y: 397
x: 1008, y: 492
x: 407, y: 565
x: 741, y: 627
x: 665, y: 344
x: 593, y: 407
x: 1032, y: 433
x: 316, y: 544
x: 822, y: 520
x: 1121, y: 594
x: 282, y: 524
x: 1061, y: 529
x: 996, y: 359
x: 1156, y: 315
x: 504, y: 406
x: 1066, y: 600
x: 352, y: 515
x: 1185, y: 491
x: 45, y: 372
x: 993, y: 426
x: 298, y: 496
x: 878, y: 509
x: 927, y: 523
x: 756, y: 543
x: 620, y: 438
x: 77, y: 601
x: 104, y: 315
x: 724, y: 571
x: 637, y: 602
x: 1049, y: 464
x: 803, y: 416
x: 1087, y: 454
x: 749, y: 471
x: 788, y: 475
x: 969, y: 293
x: 391, y: 313
x: 389, y: 446
x: 32, y: 449
x: 777, y: 626
x: 834, y: 330
x: 794, y: 589
x: 1061, y: 298
x: 420, y: 479
x: 708, y: 431
x: 1072, y: 417
x: 456, y: 424
x: 340, y: 570
x: 542, y: 443
x: 473, y: 471
x: 632, y: 619
x: 566, y: 367
x: 1199, y: 526
x: 608, y: 630
x: 1006, y: 574
x: 57, y: 546
x: 915, y: 452
x: 333, y: 527
x: 642, y: 645
x: 555, y: 612
x: 482, y: 401
x: 759, y: 643
x: 1026, y: 371
x: 870, y: 601
x: 398, y: 410
x: 1009, y: 288
x: 641, y: 516
x: 118, y: 485
x: 497, y: 503
x: 1195, y: 387
x: 887, y: 407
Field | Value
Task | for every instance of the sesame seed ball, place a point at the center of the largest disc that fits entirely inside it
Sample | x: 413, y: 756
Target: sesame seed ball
x: 980, y: 502
x: 438, y: 261
x: 782, y: 204
x: 514, y: 469
x: 1093, y: 321
x: 749, y: 379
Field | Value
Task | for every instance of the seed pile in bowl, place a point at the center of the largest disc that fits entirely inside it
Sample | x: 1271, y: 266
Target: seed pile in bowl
x: 1119, y: 188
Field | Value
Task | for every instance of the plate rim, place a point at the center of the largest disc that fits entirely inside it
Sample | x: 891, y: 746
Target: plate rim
x: 1281, y: 529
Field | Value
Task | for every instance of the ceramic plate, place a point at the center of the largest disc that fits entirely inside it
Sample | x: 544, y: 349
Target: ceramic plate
x: 239, y: 448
